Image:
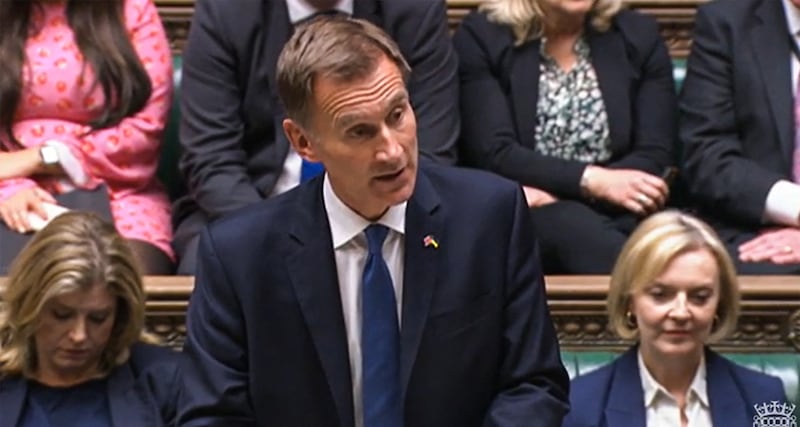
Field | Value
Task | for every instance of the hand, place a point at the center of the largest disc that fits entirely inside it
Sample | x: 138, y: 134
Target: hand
x: 536, y: 197
x: 636, y: 191
x: 778, y: 246
x: 15, y: 209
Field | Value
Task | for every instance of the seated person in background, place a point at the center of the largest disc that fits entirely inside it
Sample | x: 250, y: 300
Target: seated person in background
x: 673, y: 289
x: 84, y: 95
x: 72, y: 346
x: 234, y: 151
x: 364, y: 297
x: 575, y: 101
x: 740, y: 129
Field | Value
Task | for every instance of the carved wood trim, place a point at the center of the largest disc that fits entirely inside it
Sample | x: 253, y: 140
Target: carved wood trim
x: 769, y: 321
x: 676, y: 18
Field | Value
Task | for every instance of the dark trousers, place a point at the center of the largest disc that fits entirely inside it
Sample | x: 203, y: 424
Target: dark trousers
x: 577, y: 238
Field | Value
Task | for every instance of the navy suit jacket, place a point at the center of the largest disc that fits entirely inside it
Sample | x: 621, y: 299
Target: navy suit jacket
x: 233, y: 145
x: 737, y: 123
x: 142, y: 392
x: 500, y: 90
x: 612, y: 396
x: 266, y: 333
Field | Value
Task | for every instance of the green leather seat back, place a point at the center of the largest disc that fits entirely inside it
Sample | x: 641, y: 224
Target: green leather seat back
x: 168, y: 171
x: 785, y: 366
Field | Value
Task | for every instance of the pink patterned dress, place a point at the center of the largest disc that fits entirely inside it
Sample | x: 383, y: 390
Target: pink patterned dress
x: 57, y: 103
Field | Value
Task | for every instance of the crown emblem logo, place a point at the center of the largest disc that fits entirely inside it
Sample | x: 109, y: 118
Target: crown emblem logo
x: 774, y: 414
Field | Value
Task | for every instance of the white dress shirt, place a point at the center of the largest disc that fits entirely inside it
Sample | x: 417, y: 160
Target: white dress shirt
x: 350, y: 250
x: 783, y: 200
x: 662, y: 409
x: 290, y: 175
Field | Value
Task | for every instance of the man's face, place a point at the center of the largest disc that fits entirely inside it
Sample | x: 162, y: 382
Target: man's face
x: 365, y: 134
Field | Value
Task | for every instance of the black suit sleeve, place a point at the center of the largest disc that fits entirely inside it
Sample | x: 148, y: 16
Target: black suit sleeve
x: 533, y: 384
x: 216, y: 392
x: 433, y: 87
x: 654, y: 106
x: 488, y: 134
x: 213, y: 160
x: 716, y: 166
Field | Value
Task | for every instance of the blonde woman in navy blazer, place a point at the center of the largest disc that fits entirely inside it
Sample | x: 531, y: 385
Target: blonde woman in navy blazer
x: 588, y: 145
x: 72, y: 348
x: 673, y: 289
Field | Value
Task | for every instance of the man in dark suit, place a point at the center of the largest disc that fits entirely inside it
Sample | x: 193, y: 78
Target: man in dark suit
x: 739, y: 131
x: 234, y: 152
x: 386, y: 293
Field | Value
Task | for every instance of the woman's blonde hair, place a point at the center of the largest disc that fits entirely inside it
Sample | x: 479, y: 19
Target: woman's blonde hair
x: 526, y: 18
x: 73, y: 252
x: 648, y: 252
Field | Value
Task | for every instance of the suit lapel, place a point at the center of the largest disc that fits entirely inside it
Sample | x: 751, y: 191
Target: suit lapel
x: 12, y: 398
x: 772, y: 50
x: 277, y: 31
x: 423, y: 218
x: 317, y: 291
x: 605, y: 50
x: 625, y: 406
x: 728, y: 408
x: 125, y: 405
x: 524, y: 79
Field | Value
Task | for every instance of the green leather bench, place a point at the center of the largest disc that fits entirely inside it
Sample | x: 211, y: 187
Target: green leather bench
x: 170, y: 150
x: 785, y: 366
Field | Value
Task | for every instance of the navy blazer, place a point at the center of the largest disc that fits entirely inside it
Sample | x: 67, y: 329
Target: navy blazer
x: 500, y: 90
x: 266, y: 332
x: 232, y: 142
x: 612, y: 396
x: 737, y: 122
x: 141, y: 393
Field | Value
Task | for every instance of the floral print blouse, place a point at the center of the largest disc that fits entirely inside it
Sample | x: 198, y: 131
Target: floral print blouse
x: 572, y: 123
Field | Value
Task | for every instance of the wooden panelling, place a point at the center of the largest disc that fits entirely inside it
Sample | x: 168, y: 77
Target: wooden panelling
x: 676, y: 18
x: 769, y: 320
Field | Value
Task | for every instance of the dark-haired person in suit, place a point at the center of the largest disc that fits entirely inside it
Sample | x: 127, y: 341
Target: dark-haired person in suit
x: 234, y: 152
x: 73, y: 351
x: 575, y: 101
x: 84, y: 95
x: 673, y: 289
x: 364, y: 297
x: 740, y: 129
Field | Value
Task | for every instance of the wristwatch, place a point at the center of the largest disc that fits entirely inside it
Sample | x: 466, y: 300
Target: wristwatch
x: 49, y: 155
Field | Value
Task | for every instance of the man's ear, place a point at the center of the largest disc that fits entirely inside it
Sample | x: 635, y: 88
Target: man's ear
x: 300, y: 140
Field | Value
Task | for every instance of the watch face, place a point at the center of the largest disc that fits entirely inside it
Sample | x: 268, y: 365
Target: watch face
x: 49, y: 155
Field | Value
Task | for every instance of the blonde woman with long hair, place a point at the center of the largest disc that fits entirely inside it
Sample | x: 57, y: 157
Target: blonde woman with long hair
x: 72, y: 348
x: 575, y: 100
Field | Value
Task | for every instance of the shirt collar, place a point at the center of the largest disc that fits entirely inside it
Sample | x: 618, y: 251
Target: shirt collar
x: 792, y: 17
x: 653, y: 390
x: 346, y: 223
x: 299, y: 10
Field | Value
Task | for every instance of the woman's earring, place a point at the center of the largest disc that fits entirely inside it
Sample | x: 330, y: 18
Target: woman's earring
x: 631, y: 320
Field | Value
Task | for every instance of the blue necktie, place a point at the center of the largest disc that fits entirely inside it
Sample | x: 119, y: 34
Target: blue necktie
x: 380, y: 338
x: 309, y: 170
